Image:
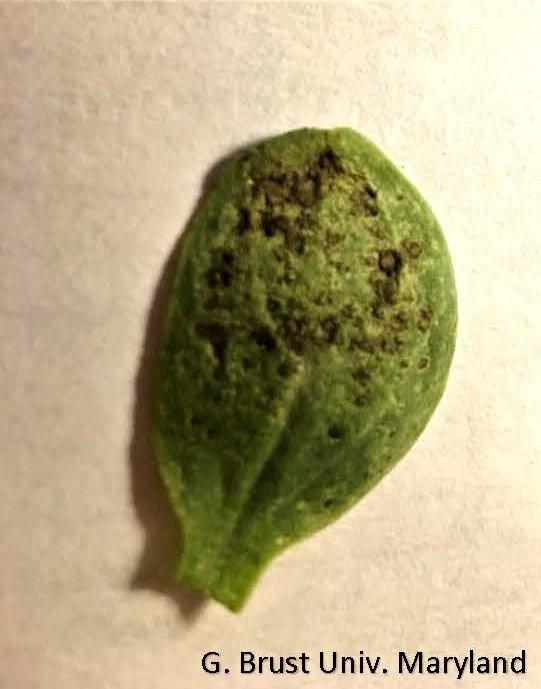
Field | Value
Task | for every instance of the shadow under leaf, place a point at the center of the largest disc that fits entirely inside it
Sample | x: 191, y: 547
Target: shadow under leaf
x: 163, y: 538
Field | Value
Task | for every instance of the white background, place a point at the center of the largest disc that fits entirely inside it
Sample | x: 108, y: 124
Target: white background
x: 111, y: 116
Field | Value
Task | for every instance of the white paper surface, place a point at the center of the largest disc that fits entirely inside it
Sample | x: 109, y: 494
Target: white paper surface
x: 111, y: 116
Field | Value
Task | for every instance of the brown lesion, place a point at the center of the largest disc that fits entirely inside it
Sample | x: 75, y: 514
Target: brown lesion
x: 335, y: 432
x: 385, y: 292
x: 424, y: 319
x: 295, y: 329
x: 301, y: 186
x: 361, y: 400
x: 222, y: 270
x: 244, y: 221
x: 219, y: 277
x: 400, y: 320
x: 414, y: 249
x: 281, y: 208
x: 364, y: 197
x: 280, y: 202
x: 264, y: 338
x: 390, y: 262
x: 216, y: 334
x: 330, y: 161
x: 287, y: 368
x: 331, y: 327
x: 273, y: 224
x: 387, y: 307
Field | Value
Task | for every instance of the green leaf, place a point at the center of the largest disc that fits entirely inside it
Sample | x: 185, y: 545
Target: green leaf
x: 308, y: 339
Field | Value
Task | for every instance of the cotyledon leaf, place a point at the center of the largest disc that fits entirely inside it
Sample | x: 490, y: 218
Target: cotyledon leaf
x: 307, y: 341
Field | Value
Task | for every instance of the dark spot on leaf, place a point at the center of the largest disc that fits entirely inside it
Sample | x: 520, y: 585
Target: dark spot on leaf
x: 228, y: 258
x: 390, y: 262
x: 371, y: 208
x: 424, y: 319
x: 372, y: 193
x: 414, y: 249
x: 286, y: 369
x: 197, y: 421
x: 295, y: 328
x: 331, y: 328
x: 264, y: 338
x: 400, y: 320
x: 361, y: 375
x: 217, y: 277
x: 269, y: 226
x: 361, y: 400
x: 244, y: 221
x: 389, y: 291
x: 335, y: 432
x: 329, y: 160
x: 275, y: 223
x: 216, y: 334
